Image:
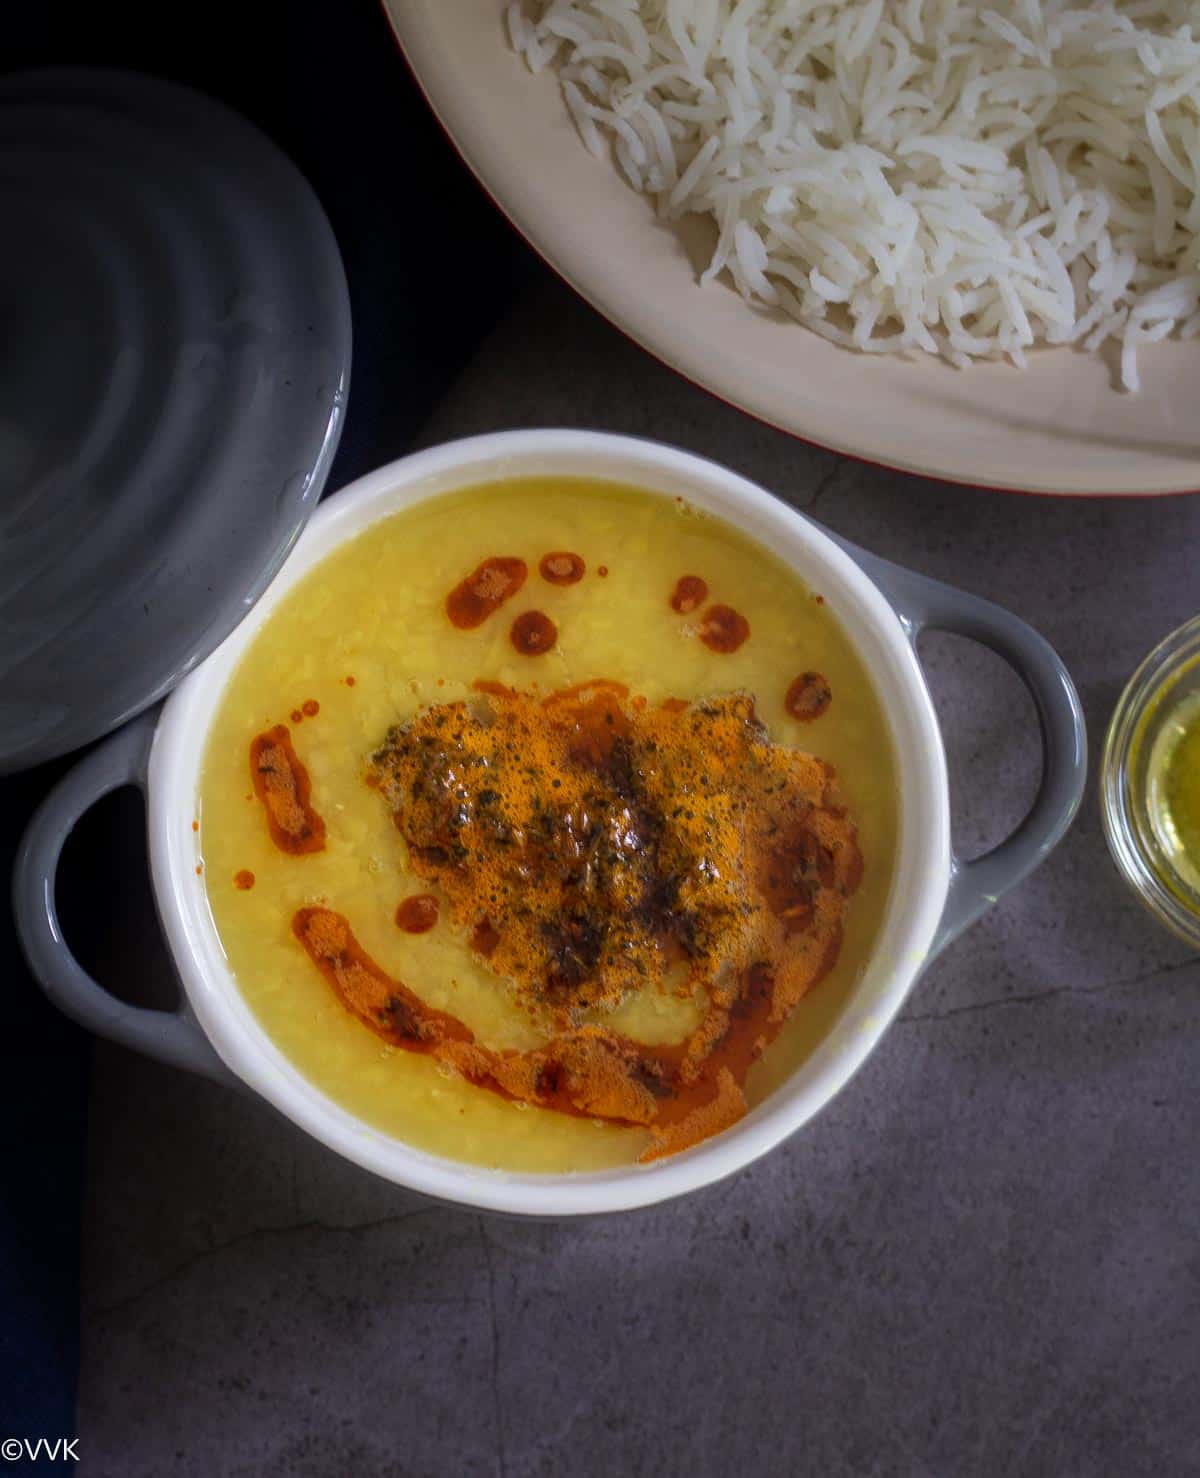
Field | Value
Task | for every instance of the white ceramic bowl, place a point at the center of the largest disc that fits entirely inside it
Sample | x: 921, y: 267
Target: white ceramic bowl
x: 933, y: 896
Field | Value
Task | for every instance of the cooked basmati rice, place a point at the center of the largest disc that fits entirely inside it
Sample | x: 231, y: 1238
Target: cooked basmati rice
x: 967, y: 178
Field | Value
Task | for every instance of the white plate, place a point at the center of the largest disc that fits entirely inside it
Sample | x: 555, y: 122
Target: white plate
x: 1059, y: 427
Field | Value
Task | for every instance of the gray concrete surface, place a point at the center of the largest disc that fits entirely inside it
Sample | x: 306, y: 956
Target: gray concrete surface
x: 980, y: 1260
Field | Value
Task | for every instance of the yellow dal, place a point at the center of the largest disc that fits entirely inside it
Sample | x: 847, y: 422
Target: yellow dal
x: 375, y: 610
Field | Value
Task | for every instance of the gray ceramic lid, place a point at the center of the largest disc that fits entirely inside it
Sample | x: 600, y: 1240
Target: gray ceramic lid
x: 174, y: 360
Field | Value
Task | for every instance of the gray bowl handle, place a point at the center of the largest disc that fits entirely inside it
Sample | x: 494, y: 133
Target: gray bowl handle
x: 172, y: 1037
x: 923, y: 604
x: 920, y: 603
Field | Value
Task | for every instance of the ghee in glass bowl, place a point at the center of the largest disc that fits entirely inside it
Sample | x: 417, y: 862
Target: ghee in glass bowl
x: 1174, y: 797
x: 1150, y: 782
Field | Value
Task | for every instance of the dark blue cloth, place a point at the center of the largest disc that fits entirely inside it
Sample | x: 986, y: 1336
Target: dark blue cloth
x: 42, y: 1094
x: 326, y: 81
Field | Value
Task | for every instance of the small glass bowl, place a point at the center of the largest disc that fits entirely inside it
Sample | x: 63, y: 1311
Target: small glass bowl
x: 1164, y: 689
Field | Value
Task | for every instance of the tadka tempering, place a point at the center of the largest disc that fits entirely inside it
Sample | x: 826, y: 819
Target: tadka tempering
x: 589, y: 845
